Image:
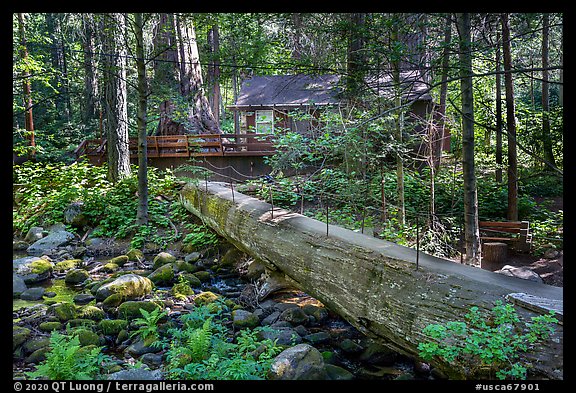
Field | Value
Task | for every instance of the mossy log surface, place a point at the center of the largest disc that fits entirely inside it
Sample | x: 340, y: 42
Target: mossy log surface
x: 372, y: 283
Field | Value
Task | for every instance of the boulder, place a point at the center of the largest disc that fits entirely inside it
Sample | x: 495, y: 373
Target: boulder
x: 33, y: 269
x: 163, y: 258
x: 18, y: 285
x: 135, y: 255
x: 282, y: 335
x: 67, y: 264
x: 301, y: 362
x: 131, y: 309
x: 137, y: 374
x: 129, y: 286
x: 57, y: 236
x: 35, y: 293
x: 74, y: 215
x: 294, y: 315
x: 163, y: 275
x: 244, y: 319
x: 20, y: 334
x: 34, y: 234
x: 520, y: 272
x: 76, y: 276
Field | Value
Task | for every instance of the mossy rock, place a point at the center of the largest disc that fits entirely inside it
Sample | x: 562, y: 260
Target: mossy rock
x: 119, y: 260
x: 163, y: 276
x: 190, y: 279
x: 244, y: 319
x: 110, y: 267
x: 112, y: 326
x: 65, y: 311
x: 76, y: 276
x: 92, y: 312
x: 203, y: 275
x: 163, y: 258
x: 182, y: 289
x: 50, y: 326
x: 131, y: 309
x: 123, y: 335
x: 188, y: 248
x: 19, y: 335
x: 113, y: 301
x: 231, y: 257
x: 85, y: 350
x: 135, y: 255
x: 185, y: 267
x: 37, y: 356
x: 81, y: 322
x: 205, y: 298
x: 35, y: 343
x: 67, y: 264
x: 130, y: 286
x: 87, y: 337
x: 41, y: 267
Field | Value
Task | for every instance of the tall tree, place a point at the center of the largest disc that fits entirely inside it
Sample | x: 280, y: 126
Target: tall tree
x: 512, y: 213
x: 90, y: 100
x: 356, y: 55
x: 201, y: 115
x: 546, y: 138
x: 498, y: 112
x: 471, y: 231
x: 29, y: 119
x: 214, y: 71
x: 141, y: 119
x: 116, y: 97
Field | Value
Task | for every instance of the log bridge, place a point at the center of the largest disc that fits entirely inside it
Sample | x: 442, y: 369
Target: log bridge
x: 372, y: 283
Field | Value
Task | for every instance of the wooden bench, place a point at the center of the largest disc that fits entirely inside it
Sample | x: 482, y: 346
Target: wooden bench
x: 515, y: 233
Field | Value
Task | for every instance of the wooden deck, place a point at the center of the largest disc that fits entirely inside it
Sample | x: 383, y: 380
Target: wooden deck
x: 187, y: 146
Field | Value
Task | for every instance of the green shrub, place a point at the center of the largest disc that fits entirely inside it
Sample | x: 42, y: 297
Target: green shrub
x: 66, y: 360
x: 490, y: 342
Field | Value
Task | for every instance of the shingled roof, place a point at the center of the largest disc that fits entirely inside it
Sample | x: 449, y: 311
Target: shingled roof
x: 296, y: 90
x: 288, y: 91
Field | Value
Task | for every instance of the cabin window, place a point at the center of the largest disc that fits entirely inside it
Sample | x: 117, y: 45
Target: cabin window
x: 264, y: 122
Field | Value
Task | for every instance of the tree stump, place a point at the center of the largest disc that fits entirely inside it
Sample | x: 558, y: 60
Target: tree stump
x: 494, y: 255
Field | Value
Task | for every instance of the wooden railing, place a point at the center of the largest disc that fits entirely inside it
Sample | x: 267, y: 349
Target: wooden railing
x: 187, y: 146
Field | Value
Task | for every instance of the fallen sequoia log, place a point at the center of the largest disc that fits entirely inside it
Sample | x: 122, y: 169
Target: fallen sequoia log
x: 374, y: 284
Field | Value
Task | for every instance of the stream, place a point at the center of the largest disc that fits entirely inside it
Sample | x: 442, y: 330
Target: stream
x: 352, y: 354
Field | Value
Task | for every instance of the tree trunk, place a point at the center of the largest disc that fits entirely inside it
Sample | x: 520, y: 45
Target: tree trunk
x: 116, y: 98
x: 356, y: 58
x: 214, y: 71
x: 90, y: 81
x: 28, y: 118
x: 370, y: 282
x: 494, y: 255
x: 201, y: 116
x: 142, y: 214
x: 512, y: 213
x: 547, y: 140
x: 396, y: 70
x: 441, y: 112
x: 498, y: 112
x: 471, y: 231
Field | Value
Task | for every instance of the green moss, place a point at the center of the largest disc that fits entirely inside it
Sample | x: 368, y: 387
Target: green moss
x: 203, y: 275
x: 119, y: 260
x: 205, y: 298
x: 182, y: 289
x: 19, y: 335
x: 131, y: 309
x: 68, y: 264
x: 65, y: 311
x: 87, y: 337
x: 50, y: 326
x: 87, y: 323
x: 190, y: 279
x: 41, y: 266
x: 135, y: 255
x: 183, y: 266
x: 113, y: 300
x: 76, y: 276
x: 163, y: 258
x: 92, y: 312
x: 112, y: 326
x: 162, y: 276
x: 110, y: 267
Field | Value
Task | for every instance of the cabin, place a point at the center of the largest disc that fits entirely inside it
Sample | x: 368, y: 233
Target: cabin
x: 271, y: 103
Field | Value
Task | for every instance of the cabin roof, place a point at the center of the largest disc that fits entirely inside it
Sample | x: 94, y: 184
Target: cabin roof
x: 320, y: 90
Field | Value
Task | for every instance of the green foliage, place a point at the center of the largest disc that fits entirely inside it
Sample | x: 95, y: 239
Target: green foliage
x: 66, y: 360
x: 493, y: 341
x: 203, y: 348
x: 149, y: 323
x: 200, y: 236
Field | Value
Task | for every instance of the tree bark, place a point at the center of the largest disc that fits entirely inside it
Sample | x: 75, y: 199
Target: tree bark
x: 142, y: 213
x: 214, y: 71
x: 512, y: 213
x: 28, y: 118
x: 546, y: 139
x: 441, y: 111
x: 370, y: 282
x: 471, y: 231
x: 116, y: 108
x: 90, y: 101
x: 498, y: 112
